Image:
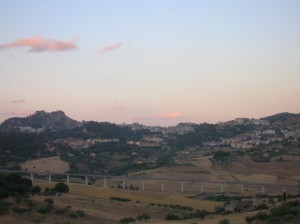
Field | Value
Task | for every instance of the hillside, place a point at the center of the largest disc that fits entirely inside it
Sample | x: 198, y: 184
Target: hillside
x: 38, y: 122
x: 284, y: 119
x: 107, y: 148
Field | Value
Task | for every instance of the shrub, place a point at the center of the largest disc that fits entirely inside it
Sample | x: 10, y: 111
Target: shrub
x: 172, y: 216
x: 144, y: 216
x: 273, y: 220
x: 38, y: 219
x: 61, y: 210
x: 219, y: 209
x: 36, y: 190
x: 261, y: 207
x: 127, y: 220
x: 119, y: 199
x: 73, y: 215
x: 45, y: 209
x: 224, y: 221
x: 29, y: 202
x: 201, y: 214
x: 4, y: 207
x: 261, y: 216
x: 61, y: 188
x: 80, y: 213
x: 287, y: 218
x: 49, y: 201
x: 249, y: 219
x: 20, y: 210
x: 3, y: 192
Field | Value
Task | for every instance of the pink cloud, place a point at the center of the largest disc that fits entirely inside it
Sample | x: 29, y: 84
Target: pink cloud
x: 18, y: 101
x: 111, y: 47
x: 39, y: 44
x: 170, y: 115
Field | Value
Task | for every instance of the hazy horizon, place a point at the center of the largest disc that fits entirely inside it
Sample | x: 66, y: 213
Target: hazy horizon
x: 84, y: 120
x: 156, y: 63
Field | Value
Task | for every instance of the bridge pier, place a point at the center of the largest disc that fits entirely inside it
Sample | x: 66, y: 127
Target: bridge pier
x: 283, y: 189
x: 222, y: 188
x: 202, y: 188
x: 162, y: 187
x: 263, y: 189
x: 86, y: 180
x: 50, y: 177
x: 31, y: 177
x: 143, y: 185
x: 181, y: 187
x: 124, y: 183
x: 68, y: 179
x: 105, y: 183
x: 242, y: 188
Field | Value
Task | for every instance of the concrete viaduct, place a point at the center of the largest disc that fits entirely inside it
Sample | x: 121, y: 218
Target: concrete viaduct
x: 182, y: 183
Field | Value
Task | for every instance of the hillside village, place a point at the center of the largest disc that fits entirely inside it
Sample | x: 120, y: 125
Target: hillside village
x: 93, y: 147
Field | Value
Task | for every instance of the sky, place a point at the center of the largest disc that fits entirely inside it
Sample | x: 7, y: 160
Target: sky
x: 152, y: 62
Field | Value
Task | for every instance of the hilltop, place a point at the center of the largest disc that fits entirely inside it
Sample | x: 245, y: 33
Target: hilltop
x: 38, y: 122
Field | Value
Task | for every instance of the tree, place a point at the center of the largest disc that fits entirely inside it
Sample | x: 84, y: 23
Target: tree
x: 144, y: 216
x: 284, y: 196
x: 36, y: 190
x: 127, y: 220
x: 49, y: 201
x: 61, y: 188
x: 249, y: 219
x: 201, y: 214
x: 224, y: 221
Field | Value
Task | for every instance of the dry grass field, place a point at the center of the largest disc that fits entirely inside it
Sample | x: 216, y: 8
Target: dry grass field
x: 52, y: 164
x: 95, y: 200
x: 99, y: 208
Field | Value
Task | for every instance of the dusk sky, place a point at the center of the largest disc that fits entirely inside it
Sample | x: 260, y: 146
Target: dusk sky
x: 152, y: 62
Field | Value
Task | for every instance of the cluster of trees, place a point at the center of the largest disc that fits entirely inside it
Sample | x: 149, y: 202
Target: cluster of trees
x: 126, y: 220
x: 14, y: 185
x: 200, y: 214
x: 288, y: 212
x: 19, y: 147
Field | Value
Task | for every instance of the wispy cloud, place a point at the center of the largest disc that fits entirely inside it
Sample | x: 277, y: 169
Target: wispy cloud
x: 18, y: 101
x: 111, y: 47
x: 39, y: 44
x: 170, y: 115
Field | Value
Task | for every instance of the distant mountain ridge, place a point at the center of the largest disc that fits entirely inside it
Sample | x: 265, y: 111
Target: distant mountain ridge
x: 40, y: 121
x: 58, y: 120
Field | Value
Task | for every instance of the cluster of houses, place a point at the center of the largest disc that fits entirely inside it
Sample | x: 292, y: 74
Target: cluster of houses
x: 28, y: 129
x: 250, y: 204
x: 148, y: 141
x: 77, y: 143
x: 249, y: 141
x: 180, y: 129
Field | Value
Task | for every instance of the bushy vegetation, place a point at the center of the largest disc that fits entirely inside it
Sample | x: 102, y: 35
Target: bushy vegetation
x: 224, y: 221
x: 144, y: 216
x: 61, y: 188
x: 176, y: 206
x: 127, y: 220
x: 119, y: 199
x: 287, y: 212
x: 14, y: 185
x: 172, y: 216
